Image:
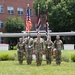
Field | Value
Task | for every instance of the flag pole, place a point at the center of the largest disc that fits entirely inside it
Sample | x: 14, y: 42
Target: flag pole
x: 28, y: 13
x: 38, y: 20
x: 47, y: 24
x: 28, y: 18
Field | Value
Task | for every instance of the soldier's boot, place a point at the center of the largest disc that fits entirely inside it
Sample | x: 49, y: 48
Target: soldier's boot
x: 40, y: 64
x: 59, y: 63
x: 47, y: 61
x: 28, y: 61
x: 37, y: 64
x: 20, y: 62
x: 50, y: 61
x: 56, y: 62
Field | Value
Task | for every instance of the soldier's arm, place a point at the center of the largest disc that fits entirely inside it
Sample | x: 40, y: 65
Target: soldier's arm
x: 62, y: 45
x: 55, y: 44
x: 43, y: 45
x: 33, y: 45
x: 52, y: 45
x: 24, y: 46
x: 31, y: 42
x: 18, y: 46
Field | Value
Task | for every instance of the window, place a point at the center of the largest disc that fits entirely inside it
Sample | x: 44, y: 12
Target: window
x: 1, y: 9
x: 1, y: 24
x: 10, y: 9
x: 30, y: 12
x: 1, y: 40
x: 20, y: 11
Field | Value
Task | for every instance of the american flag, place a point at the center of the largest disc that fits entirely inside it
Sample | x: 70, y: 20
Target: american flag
x: 28, y: 20
x: 47, y: 24
x: 38, y: 20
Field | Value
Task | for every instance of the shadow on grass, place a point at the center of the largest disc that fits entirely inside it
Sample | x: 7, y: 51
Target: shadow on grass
x: 34, y: 64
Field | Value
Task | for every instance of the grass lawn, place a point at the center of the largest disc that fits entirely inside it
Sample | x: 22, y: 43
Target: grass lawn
x: 13, y: 67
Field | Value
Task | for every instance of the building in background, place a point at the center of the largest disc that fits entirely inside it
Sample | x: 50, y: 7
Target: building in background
x: 14, y: 8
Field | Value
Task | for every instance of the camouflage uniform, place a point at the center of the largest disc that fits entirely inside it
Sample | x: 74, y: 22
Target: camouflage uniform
x: 49, y: 46
x: 29, y: 49
x: 58, y: 44
x: 20, y: 51
x: 38, y: 46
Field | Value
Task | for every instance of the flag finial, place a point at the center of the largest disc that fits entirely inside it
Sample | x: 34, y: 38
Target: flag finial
x: 46, y: 6
x: 27, y: 5
x: 38, y: 6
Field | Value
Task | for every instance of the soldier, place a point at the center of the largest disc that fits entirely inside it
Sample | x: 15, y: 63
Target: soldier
x: 38, y: 46
x: 58, y: 45
x: 20, y: 48
x: 29, y: 49
x: 49, y: 47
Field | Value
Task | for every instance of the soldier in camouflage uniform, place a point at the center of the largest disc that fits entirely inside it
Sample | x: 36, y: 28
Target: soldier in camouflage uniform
x: 28, y: 45
x: 20, y: 50
x: 49, y: 47
x: 58, y: 45
x: 38, y: 46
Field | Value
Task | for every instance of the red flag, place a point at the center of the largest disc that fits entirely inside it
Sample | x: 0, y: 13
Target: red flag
x: 38, y: 20
x: 28, y: 21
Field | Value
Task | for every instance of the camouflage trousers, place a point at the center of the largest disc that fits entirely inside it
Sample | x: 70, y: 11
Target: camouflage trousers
x: 48, y: 56
x: 20, y: 57
x: 29, y: 56
x: 58, y: 57
x: 39, y: 58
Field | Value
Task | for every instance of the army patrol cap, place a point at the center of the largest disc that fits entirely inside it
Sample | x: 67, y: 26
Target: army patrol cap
x: 38, y: 34
x: 20, y: 38
x: 57, y: 36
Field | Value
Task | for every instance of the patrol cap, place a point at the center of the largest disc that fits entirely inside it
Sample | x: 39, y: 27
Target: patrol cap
x: 57, y: 36
x: 20, y: 38
x: 38, y: 34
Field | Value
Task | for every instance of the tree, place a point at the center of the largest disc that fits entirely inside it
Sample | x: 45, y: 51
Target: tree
x: 61, y: 14
x: 14, y: 25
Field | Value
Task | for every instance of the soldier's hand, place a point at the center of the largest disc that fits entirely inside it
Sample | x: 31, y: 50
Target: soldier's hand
x: 24, y: 52
x: 54, y: 49
x: 17, y: 49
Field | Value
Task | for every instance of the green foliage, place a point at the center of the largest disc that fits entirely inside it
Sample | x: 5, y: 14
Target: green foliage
x: 61, y: 14
x: 73, y: 57
x: 15, y: 47
x: 42, y: 6
x: 8, y: 55
x: 65, y: 58
x: 14, y: 25
x: 4, y: 57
